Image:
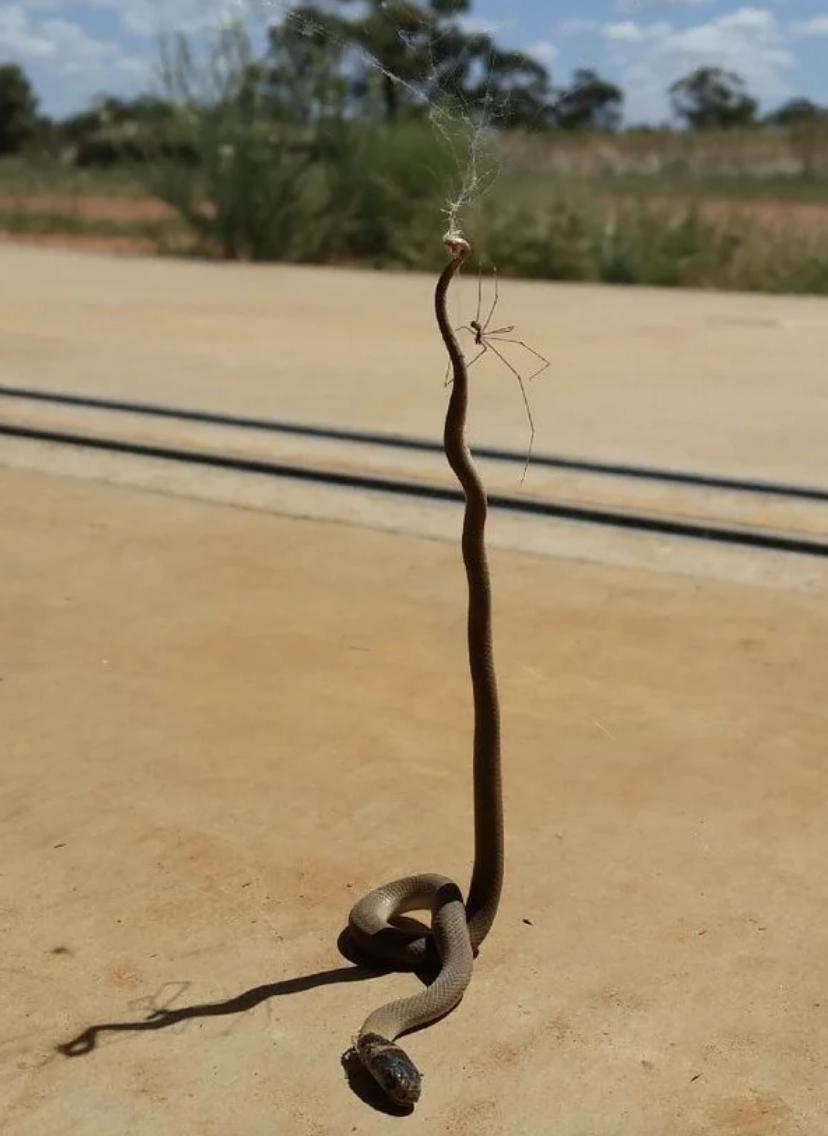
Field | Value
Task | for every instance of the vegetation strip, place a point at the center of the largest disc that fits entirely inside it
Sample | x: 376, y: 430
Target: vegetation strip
x: 302, y: 148
x: 419, y: 445
x: 602, y: 517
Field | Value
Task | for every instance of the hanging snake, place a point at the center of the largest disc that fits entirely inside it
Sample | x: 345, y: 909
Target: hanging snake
x: 457, y: 927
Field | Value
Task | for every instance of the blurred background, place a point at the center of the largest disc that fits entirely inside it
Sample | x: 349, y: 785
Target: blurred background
x: 683, y: 144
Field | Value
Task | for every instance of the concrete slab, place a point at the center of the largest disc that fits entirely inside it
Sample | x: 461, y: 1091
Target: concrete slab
x: 220, y: 726
x: 702, y: 381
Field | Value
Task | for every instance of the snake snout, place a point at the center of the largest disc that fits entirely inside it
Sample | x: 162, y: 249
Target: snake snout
x: 391, y: 1068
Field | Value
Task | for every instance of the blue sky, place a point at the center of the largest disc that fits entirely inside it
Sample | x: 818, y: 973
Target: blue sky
x: 75, y: 50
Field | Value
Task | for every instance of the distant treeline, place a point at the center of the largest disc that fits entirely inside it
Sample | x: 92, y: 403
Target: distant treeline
x: 397, y: 61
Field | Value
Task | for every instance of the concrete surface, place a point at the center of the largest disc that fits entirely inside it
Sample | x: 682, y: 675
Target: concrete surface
x: 219, y: 726
x: 726, y: 383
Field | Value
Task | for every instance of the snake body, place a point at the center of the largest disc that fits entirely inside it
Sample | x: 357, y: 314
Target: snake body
x: 457, y: 927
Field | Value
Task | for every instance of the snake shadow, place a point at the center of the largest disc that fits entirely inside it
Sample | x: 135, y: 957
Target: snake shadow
x: 359, y: 1081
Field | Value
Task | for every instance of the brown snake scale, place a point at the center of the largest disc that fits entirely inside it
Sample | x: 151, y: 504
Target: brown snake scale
x: 457, y: 928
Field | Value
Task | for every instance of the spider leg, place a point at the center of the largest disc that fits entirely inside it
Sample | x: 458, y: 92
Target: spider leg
x: 449, y: 376
x: 488, y: 319
x: 522, y: 385
x: 482, y: 351
x: 519, y: 343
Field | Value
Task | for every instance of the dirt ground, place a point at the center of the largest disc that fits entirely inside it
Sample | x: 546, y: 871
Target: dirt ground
x: 220, y: 725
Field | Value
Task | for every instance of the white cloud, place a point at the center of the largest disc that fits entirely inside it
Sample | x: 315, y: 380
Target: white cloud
x: 69, y: 66
x: 544, y: 51
x: 474, y: 25
x: 640, y: 5
x: 62, y: 42
x: 78, y: 53
x: 62, y: 57
x: 146, y: 18
x: 818, y: 26
x: 628, y: 32
x: 19, y: 39
x: 650, y: 56
x: 578, y: 27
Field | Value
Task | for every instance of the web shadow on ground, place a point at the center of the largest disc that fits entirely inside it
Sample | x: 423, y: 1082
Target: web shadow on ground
x: 360, y: 1082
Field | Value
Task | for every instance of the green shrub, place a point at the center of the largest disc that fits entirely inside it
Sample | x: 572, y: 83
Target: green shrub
x: 385, y: 193
x: 249, y: 192
x: 643, y: 244
x: 248, y: 197
x: 584, y: 237
x: 550, y: 244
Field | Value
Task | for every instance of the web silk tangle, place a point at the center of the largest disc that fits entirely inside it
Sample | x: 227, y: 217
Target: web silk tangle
x: 464, y: 129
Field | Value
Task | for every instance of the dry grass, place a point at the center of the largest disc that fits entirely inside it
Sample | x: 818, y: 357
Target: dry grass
x: 750, y: 161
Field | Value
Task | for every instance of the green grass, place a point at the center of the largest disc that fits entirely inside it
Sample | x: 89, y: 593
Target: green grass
x: 34, y: 178
x: 534, y: 187
x: 582, y: 237
x: 779, y: 189
x: 70, y: 224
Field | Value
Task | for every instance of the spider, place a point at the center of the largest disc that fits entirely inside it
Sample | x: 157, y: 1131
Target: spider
x: 485, y: 339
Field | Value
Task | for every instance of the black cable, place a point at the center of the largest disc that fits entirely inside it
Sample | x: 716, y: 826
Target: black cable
x: 629, y: 521
x: 422, y: 445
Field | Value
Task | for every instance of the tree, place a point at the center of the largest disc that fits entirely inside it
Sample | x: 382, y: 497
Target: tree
x: 300, y: 79
x: 249, y: 191
x: 409, y: 56
x: 793, y: 112
x: 806, y: 128
x: 514, y: 90
x: 591, y: 103
x: 18, y: 109
x: 146, y: 111
x: 712, y: 99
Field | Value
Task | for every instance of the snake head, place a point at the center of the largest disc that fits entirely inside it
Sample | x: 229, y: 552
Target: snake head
x: 391, y: 1068
x: 457, y: 245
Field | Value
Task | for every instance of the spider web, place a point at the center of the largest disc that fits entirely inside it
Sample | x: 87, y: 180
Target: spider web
x: 465, y: 129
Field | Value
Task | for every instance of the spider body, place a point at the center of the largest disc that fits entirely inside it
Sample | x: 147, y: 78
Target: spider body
x: 480, y: 333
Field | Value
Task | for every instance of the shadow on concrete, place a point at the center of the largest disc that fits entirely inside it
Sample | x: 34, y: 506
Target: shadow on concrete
x: 360, y: 1082
x: 86, y: 1042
